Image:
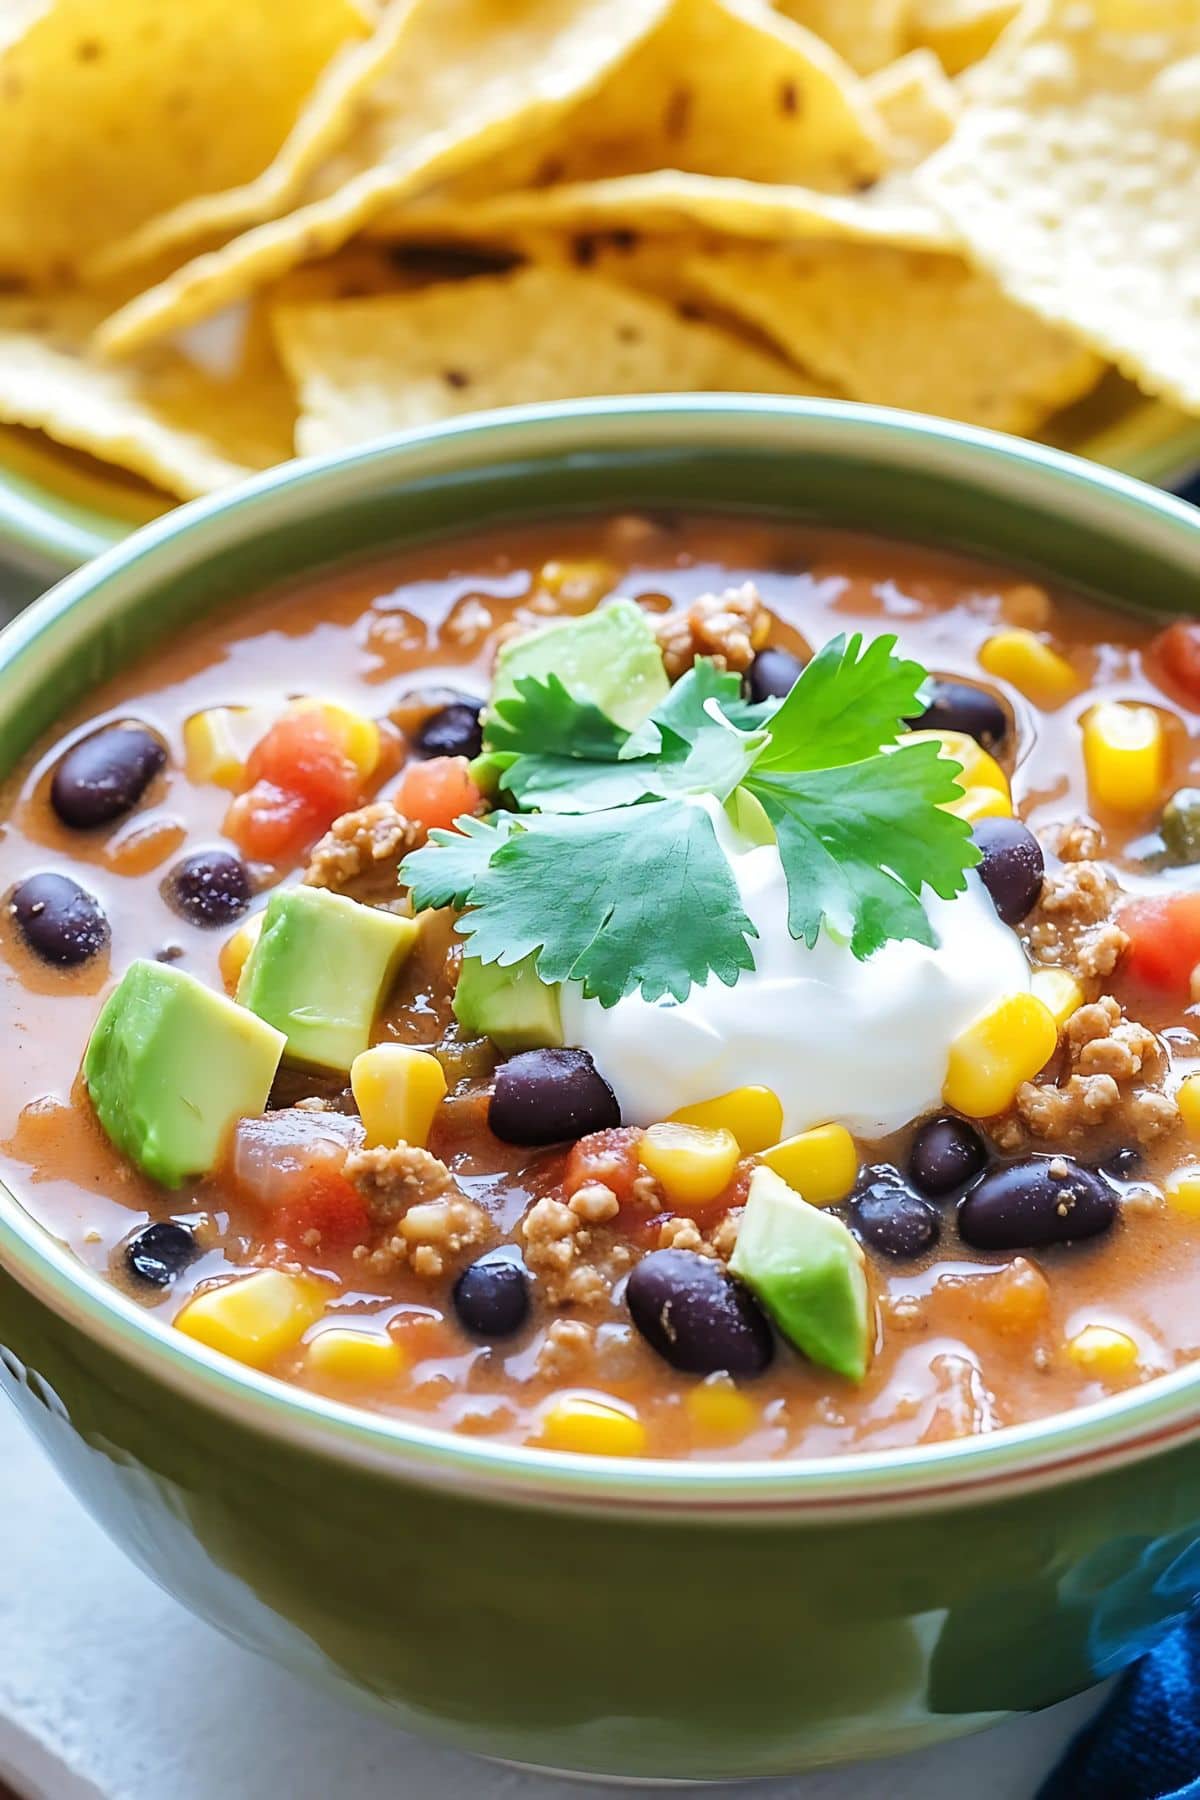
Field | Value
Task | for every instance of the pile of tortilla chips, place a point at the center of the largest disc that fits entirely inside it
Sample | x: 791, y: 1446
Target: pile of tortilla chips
x: 234, y: 230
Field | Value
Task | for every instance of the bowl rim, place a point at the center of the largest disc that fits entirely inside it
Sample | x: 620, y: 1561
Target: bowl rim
x: 1065, y: 1446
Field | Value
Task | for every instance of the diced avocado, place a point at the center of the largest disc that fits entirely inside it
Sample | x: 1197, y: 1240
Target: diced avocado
x: 610, y: 657
x: 171, y: 1066
x: 807, y: 1270
x: 320, y: 970
x: 514, y: 1007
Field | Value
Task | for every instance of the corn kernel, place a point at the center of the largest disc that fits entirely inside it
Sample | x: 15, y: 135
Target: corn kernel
x: 231, y: 958
x: 753, y: 1114
x: 693, y: 1165
x: 980, y: 803
x: 1032, y: 667
x: 979, y: 767
x: 358, y: 1358
x: 1100, y: 1351
x: 984, y: 785
x: 577, y: 584
x: 359, y: 736
x: 719, y: 1412
x: 397, y: 1090
x: 217, y: 742
x: 1125, y: 754
x: 1187, y: 1099
x: 592, y: 1427
x: 1060, y: 991
x: 254, y: 1318
x: 1182, y: 1189
x: 821, y: 1164
x: 992, y: 1057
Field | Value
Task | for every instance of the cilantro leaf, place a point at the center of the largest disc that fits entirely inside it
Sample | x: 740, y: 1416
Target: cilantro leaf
x: 559, y: 784
x: 443, y: 871
x: 609, y: 877
x: 544, y: 718
x: 859, y: 841
x: 571, y: 758
x: 844, y: 706
x: 641, y: 897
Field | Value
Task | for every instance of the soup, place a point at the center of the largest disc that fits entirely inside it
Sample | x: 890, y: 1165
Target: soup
x: 653, y: 986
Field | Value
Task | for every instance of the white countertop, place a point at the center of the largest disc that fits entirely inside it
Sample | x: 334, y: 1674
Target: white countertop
x: 110, y: 1691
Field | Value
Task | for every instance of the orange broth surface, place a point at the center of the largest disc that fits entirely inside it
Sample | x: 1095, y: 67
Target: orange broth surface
x: 948, y: 1360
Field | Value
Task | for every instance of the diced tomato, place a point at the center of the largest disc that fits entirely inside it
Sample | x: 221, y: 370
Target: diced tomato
x: 304, y: 755
x: 436, y: 792
x: 1164, y: 941
x: 1177, y: 653
x: 328, y: 1214
x: 607, y: 1156
x: 300, y: 779
x: 269, y: 824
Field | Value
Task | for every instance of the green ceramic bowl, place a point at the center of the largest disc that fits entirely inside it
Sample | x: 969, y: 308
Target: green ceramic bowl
x: 637, y: 1619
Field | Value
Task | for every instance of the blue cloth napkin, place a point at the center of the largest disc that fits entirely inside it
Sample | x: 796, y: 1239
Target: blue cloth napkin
x: 1145, y: 1742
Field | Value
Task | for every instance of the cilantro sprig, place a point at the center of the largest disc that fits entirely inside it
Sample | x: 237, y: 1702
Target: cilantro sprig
x: 609, y: 871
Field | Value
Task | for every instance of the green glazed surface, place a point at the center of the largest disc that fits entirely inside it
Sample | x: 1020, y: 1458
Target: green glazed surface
x: 646, y: 1619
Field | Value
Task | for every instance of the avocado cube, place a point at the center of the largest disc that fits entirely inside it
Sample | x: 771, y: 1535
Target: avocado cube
x: 514, y: 1006
x: 320, y: 970
x: 171, y: 1066
x: 807, y: 1270
x: 610, y: 657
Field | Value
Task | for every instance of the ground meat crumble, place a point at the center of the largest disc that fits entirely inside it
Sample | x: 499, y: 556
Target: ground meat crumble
x: 423, y: 1217
x: 575, y: 1262
x: 1112, y: 1075
x: 1072, y: 926
x: 372, y: 841
x: 730, y: 627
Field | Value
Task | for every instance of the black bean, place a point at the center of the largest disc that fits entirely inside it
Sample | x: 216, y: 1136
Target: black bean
x: 1039, y: 1200
x: 773, y: 674
x: 159, y: 1252
x: 890, y: 1216
x: 1013, y: 867
x: 546, y: 1096
x: 491, y: 1298
x: 956, y: 706
x: 60, y: 921
x: 697, y: 1316
x: 454, y: 730
x: 105, y: 776
x: 945, y: 1154
x: 210, y: 887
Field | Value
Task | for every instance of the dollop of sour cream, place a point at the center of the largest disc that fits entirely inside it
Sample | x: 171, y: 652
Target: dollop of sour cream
x: 863, y: 1043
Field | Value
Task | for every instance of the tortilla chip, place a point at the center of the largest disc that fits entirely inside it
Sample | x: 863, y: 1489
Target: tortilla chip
x: 526, y: 89
x: 186, y: 422
x: 960, y: 32
x: 1074, y: 176
x: 109, y: 113
x: 919, y: 106
x: 366, y: 367
x: 463, y: 79
x: 868, y: 33
x: 903, y: 329
x: 327, y: 119
x: 684, y: 99
x: 670, y: 200
x: 17, y: 17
